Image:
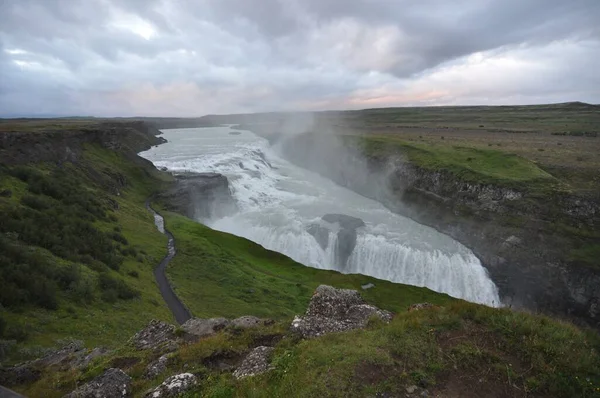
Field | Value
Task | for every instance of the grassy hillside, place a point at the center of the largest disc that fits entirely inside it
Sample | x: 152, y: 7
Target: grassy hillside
x: 457, y: 350
x: 78, y: 249
x: 77, y: 259
x: 218, y: 274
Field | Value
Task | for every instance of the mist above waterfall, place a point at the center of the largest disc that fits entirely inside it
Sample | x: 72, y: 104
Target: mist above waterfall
x: 280, y: 203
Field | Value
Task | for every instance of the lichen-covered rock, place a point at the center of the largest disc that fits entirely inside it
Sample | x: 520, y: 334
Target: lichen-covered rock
x: 113, y: 383
x: 155, y: 334
x: 255, y: 363
x: 157, y: 367
x: 330, y: 302
x: 205, y: 327
x: 174, y: 386
x: 336, y: 310
x: 248, y: 321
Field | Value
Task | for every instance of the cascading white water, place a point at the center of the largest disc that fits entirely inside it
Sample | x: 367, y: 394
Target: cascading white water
x: 278, y: 202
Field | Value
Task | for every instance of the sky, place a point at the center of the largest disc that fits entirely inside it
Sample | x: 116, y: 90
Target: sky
x: 197, y: 57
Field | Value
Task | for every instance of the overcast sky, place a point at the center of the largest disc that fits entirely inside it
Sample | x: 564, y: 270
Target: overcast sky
x: 195, y: 57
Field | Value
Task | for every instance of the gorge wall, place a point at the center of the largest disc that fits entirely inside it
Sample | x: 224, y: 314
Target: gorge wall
x: 521, y: 239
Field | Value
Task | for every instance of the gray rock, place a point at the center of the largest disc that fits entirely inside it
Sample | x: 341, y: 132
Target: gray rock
x: 205, y: 327
x: 247, y: 322
x: 112, y: 383
x: 411, y: 389
x: 512, y: 241
x: 62, y: 355
x: 336, y: 310
x: 157, y: 367
x: 174, y: 386
x: 257, y: 362
x: 154, y: 335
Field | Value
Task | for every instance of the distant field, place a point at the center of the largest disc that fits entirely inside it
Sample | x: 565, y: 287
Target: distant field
x: 563, y: 140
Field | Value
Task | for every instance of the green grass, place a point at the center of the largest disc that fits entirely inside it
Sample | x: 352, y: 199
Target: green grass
x: 98, y: 314
x: 233, y: 276
x: 448, y: 350
x: 468, y: 164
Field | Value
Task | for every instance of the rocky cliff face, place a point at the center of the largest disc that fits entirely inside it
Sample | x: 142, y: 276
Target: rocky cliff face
x: 513, y: 233
x: 200, y: 196
x: 58, y: 145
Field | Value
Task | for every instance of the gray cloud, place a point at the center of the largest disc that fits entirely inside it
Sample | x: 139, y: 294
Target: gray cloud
x: 191, y: 57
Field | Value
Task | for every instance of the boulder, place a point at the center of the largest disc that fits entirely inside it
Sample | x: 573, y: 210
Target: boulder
x: 205, y: 327
x: 255, y: 363
x: 336, y: 310
x: 174, y: 386
x: 156, y: 334
x: 157, y: 367
x: 112, y: 383
x: 247, y: 322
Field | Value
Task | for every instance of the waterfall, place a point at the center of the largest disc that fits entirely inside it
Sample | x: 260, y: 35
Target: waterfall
x: 279, y: 202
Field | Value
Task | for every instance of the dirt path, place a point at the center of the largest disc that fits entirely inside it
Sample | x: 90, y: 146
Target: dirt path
x: 180, y: 312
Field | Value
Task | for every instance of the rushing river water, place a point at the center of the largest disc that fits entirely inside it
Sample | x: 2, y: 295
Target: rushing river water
x: 279, y: 201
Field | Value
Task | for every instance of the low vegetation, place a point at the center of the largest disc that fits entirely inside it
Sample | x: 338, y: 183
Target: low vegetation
x: 458, y: 349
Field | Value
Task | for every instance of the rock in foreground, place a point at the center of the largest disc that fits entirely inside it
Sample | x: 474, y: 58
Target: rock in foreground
x: 174, y: 386
x: 113, y: 383
x: 205, y: 327
x: 257, y: 362
x: 154, y: 335
x: 336, y: 310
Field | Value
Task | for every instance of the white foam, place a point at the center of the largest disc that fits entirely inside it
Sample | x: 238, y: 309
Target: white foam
x: 279, y: 201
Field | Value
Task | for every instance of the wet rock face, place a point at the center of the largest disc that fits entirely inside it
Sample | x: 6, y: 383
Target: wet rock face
x: 201, y: 196
x: 174, y: 386
x: 336, y: 310
x: 112, y: 383
x: 257, y: 362
x: 321, y: 235
x: 156, y: 334
x: 346, y: 236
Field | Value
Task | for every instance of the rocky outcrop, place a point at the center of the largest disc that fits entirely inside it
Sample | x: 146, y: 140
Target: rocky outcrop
x: 200, y: 196
x: 71, y: 355
x: 205, y: 327
x: 335, y: 310
x: 174, y: 386
x: 249, y: 322
x: 255, y: 363
x: 156, y: 334
x: 156, y: 368
x: 59, y: 144
x: 112, y: 383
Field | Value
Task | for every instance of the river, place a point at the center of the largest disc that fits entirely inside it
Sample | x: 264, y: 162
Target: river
x: 278, y: 202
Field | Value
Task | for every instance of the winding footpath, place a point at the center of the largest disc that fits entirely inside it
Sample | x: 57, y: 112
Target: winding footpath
x: 180, y: 312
